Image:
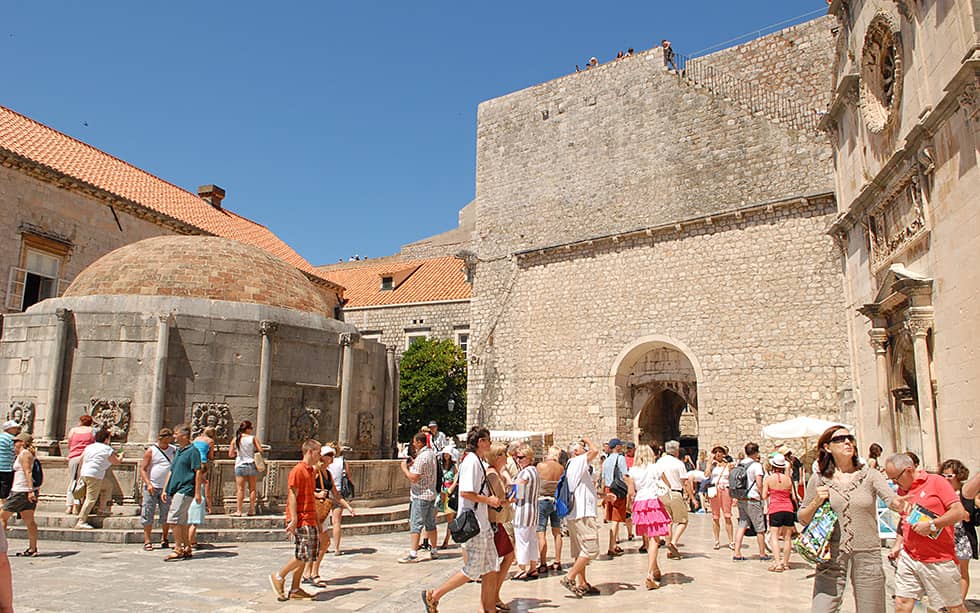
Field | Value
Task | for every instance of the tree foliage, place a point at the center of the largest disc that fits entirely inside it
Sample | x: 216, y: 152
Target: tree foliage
x: 432, y: 373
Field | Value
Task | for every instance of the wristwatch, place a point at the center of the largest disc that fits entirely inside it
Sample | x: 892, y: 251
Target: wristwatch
x: 932, y: 526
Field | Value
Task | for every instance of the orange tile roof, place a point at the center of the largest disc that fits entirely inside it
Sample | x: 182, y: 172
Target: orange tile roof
x: 67, y: 156
x: 434, y: 280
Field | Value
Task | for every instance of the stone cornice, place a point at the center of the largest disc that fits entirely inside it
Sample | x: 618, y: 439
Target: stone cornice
x: 846, y: 92
x: 47, y: 174
x: 682, y: 227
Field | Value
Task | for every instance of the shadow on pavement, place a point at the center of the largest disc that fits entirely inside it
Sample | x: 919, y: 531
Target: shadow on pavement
x: 352, y: 579
x: 359, y: 550
x: 675, y: 579
x: 331, y: 594
x: 50, y: 554
x: 207, y: 555
x: 612, y: 588
x: 522, y: 605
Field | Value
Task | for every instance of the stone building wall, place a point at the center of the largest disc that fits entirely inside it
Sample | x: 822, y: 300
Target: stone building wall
x: 92, y: 227
x: 391, y: 324
x: 765, y: 331
x: 794, y: 63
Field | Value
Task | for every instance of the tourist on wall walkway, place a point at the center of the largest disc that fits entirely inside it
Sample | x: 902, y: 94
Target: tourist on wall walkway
x: 583, y: 529
x: 647, y: 484
x: 154, y: 469
x: 96, y: 460
x: 244, y: 448
x: 301, y: 524
x: 23, y: 491
x: 676, y: 473
x: 481, y: 558
x: 79, y: 437
x: 183, y: 487
x: 550, y: 471
x: 421, y: 474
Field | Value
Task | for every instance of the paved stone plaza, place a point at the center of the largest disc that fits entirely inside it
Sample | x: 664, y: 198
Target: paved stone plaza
x: 233, y: 577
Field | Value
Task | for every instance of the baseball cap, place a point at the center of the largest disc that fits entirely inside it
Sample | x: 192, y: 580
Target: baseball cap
x: 613, y: 443
x: 327, y: 450
x: 7, y: 425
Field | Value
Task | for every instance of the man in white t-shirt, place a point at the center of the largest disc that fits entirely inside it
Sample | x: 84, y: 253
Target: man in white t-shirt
x: 750, y: 512
x: 481, y: 553
x: 676, y: 472
x: 582, y: 526
x: 96, y: 460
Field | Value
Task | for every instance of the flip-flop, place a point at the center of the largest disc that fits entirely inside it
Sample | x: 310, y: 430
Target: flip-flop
x: 521, y: 576
x: 147, y: 546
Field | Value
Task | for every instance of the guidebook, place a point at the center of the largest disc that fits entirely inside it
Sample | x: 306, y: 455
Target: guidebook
x: 920, y: 514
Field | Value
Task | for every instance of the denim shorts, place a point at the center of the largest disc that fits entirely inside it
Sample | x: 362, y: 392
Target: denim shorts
x: 152, y: 505
x: 422, y: 516
x: 546, y: 511
x: 246, y: 470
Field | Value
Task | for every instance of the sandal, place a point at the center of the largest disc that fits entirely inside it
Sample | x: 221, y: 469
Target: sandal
x: 556, y: 566
x: 651, y: 583
x: 164, y: 544
x: 717, y: 546
x: 147, y: 546
x: 521, y: 576
x: 28, y: 553
x: 500, y: 606
x: 173, y: 557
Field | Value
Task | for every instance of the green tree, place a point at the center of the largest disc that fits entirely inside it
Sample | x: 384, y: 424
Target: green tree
x: 432, y: 374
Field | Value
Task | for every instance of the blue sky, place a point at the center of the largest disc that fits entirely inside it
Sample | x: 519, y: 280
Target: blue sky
x: 344, y: 127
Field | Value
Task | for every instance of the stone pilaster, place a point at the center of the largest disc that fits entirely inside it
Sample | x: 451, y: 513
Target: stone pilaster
x: 919, y: 322
x: 347, y: 341
x: 267, y: 329
x: 52, y: 416
x: 885, y: 416
x: 159, y: 378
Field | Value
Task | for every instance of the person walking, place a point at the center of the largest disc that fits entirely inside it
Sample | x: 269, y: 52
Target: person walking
x: 647, y: 484
x: 423, y: 490
x: 719, y: 496
x: 852, y: 489
x: 550, y: 471
x: 747, y: 490
x: 966, y: 531
x: 301, y: 524
x: 614, y: 467
x: 96, y: 460
x: 183, y: 487
x: 243, y: 449
x: 527, y: 484
x: 481, y: 561
x: 10, y: 429
x: 22, y: 499
x: 778, y: 489
x: 154, y: 469
x: 326, y: 489
x: 926, y: 563
x: 583, y: 529
x: 498, y: 481
x: 79, y: 437
x: 204, y: 443
x: 338, y: 470
x: 676, y: 473
x: 449, y: 502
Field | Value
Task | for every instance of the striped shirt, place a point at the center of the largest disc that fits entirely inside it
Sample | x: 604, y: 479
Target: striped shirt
x: 526, y: 505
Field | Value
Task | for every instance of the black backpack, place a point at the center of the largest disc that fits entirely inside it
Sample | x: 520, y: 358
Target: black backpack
x: 738, y: 481
x: 37, y: 474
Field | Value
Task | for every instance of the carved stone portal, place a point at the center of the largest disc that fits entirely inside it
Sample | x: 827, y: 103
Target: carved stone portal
x: 304, y: 424
x: 896, y: 222
x: 365, y: 428
x: 113, y: 415
x: 22, y: 411
x: 211, y: 414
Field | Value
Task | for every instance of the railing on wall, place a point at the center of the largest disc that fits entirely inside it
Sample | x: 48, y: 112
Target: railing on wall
x: 748, y: 95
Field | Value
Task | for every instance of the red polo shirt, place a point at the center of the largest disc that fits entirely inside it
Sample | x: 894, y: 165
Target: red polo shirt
x: 302, y: 479
x: 934, y: 493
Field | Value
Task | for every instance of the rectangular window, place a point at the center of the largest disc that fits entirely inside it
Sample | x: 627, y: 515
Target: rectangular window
x: 39, y: 275
x: 463, y: 340
x: 414, y: 337
x: 387, y: 284
x: 372, y: 335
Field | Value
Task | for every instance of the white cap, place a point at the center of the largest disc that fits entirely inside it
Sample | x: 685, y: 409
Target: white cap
x: 327, y: 450
x: 7, y: 425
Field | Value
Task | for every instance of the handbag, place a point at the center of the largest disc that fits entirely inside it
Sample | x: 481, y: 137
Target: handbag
x: 618, y: 487
x: 466, y: 526
x: 813, y: 544
x: 259, y: 462
x: 323, y: 508
x: 78, y: 493
x: 712, y: 491
x: 346, y: 485
x: 501, y: 541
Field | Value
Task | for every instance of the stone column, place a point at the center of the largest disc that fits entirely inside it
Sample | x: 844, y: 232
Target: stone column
x: 885, y: 414
x: 267, y: 329
x: 919, y: 324
x: 390, y: 437
x: 347, y: 341
x: 53, y: 414
x: 159, y: 378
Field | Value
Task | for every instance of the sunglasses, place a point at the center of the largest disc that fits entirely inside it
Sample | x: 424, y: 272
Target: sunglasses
x: 520, y: 457
x: 950, y: 477
x: 843, y: 438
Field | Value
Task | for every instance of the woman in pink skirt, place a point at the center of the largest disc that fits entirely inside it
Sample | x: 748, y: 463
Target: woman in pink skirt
x: 646, y: 485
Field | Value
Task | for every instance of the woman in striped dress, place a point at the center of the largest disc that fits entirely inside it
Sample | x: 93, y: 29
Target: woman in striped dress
x: 527, y: 484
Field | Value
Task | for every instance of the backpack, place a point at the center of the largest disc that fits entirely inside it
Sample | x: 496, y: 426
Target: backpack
x: 563, y: 498
x: 37, y: 474
x: 346, y: 485
x: 738, y: 481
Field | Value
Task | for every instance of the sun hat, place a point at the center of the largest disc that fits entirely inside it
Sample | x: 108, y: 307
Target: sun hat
x: 778, y: 460
x: 327, y: 450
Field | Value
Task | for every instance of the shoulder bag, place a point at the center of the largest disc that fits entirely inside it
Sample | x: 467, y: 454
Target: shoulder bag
x: 618, y: 487
x: 466, y: 526
x: 813, y: 544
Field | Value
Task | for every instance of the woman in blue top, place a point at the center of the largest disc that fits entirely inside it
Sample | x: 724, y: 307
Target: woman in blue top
x: 204, y: 444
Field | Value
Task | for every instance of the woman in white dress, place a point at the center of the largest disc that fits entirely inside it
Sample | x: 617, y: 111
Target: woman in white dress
x: 528, y: 485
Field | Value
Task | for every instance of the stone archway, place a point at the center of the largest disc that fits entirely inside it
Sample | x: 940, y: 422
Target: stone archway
x: 655, y: 386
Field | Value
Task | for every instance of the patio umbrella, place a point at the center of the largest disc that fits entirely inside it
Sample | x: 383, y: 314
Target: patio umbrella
x: 799, y: 427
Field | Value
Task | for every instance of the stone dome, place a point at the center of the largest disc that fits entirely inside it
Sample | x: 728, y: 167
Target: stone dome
x: 200, y: 267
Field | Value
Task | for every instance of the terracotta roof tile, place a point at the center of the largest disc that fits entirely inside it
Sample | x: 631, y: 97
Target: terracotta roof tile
x: 433, y: 280
x: 65, y: 155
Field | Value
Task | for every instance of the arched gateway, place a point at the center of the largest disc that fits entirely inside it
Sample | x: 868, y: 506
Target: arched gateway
x: 655, y: 386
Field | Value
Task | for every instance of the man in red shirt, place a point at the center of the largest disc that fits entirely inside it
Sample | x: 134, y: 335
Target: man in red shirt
x: 301, y: 523
x: 927, y: 561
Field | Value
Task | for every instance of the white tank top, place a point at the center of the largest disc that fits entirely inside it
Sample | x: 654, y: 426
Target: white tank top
x: 160, y: 463
x: 246, y: 450
x: 20, y: 479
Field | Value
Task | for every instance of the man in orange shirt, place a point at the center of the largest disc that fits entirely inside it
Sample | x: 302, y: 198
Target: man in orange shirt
x: 300, y: 523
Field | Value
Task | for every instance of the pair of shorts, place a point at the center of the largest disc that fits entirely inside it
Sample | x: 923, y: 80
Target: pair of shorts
x: 782, y: 519
x: 422, y: 516
x: 939, y: 580
x: 152, y: 505
x: 584, y: 534
x: 615, y: 510
x: 481, y: 555
x: 246, y: 470
x: 721, y: 504
x: 750, y: 515
x: 307, y: 543
x: 547, y: 513
x: 6, y: 482
x: 196, y: 512
x: 675, y: 507
x: 180, y: 504
x: 17, y: 502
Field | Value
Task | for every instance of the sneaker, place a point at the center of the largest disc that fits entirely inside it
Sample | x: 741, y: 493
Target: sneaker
x: 84, y: 526
x: 300, y: 594
x: 427, y: 600
x: 279, y: 586
x: 408, y: 559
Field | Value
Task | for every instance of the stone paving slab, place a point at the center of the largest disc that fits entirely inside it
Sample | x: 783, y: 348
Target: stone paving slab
x: 86, y: 577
